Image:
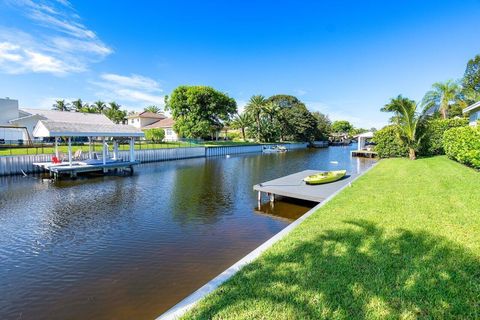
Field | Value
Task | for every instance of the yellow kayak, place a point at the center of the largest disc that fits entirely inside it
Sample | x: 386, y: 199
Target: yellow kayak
x: 325, y: 177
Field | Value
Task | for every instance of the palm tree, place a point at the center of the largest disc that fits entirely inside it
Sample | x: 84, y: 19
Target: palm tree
x: 99, y: 105
x: 408, y: 122
x: 241, y: 121
x: 77, y: 105
x: 442, y: 95
x: 114, y: 113
x: 255, y: 107
x: 113, y: 106
x: 153, y: 109
x: 60, y: 105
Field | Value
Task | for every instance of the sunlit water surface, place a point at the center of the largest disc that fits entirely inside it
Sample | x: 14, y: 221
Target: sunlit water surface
x: 131, y: 247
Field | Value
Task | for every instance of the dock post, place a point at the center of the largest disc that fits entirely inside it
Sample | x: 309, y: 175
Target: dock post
x: 272, y: 198
x: 70, y: 151
x: 259, y: 196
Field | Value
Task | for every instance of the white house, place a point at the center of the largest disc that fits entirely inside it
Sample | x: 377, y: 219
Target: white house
x: 9, y: 110
x: 148, y: 120
x: 474, y: 111
x: 145, y: 118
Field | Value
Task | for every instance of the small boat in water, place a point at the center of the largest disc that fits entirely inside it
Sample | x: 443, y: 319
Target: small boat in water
x: 325, y: 177
x: 274, y: 149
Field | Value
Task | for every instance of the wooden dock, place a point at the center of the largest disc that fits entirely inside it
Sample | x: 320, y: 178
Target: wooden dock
x: 293, y: 186
x: 364, y: 154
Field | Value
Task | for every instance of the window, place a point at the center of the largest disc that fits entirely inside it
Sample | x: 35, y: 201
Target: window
x: 168, y: 131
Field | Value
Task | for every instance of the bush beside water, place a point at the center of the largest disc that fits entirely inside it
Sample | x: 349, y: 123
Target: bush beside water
x: 389, y: 145
x: 463, y: 145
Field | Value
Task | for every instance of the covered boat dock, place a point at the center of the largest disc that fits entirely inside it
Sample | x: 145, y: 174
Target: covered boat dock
x: 106, y: 132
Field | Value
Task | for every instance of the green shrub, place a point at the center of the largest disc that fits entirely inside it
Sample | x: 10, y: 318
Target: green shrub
x: 155, y: 134
x: 234, y: 135
x: 432, y: 143
x: 463, y: 145
x: 388, y: 144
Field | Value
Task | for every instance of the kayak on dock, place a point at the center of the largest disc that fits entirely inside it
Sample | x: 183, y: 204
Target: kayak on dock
x: 325, y: 177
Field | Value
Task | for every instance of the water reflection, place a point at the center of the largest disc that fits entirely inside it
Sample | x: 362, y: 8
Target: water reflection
x: 131, y: 247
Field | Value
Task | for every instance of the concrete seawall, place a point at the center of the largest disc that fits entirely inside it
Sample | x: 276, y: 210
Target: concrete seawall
x: 12, y: 165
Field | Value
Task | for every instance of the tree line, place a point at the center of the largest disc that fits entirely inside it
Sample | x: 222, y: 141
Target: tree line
x: 111, y: 110
x: 202, y: 112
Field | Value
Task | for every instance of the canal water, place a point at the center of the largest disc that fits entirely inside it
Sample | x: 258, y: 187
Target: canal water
x: 131, y: 247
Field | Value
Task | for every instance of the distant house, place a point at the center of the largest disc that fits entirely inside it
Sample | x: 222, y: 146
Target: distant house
x: 30, y: 117
x: 167, y: 125
x: 8, y: 111
x: 474, y: 113
x: 148, y: 120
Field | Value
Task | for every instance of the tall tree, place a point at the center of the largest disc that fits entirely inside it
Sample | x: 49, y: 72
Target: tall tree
x: 341, y: 126
x: 99, y: 105
x: 199, y: 111
x: 61, y: 105
x: 324, y: 125
x: 471, y: 77
x: 441, y: 97
x: 408, y: 122
x: 153, y: 109
x: 241, y: 121
x: 114, y: 113
x: 254, y: 108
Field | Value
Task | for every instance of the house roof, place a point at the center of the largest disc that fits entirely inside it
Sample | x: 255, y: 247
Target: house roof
x: 368, y: 134
x: 164, y: 123
x: 472, y: 107
x: 66, y: 116
x: 147, y: 114
x: 48, y: 128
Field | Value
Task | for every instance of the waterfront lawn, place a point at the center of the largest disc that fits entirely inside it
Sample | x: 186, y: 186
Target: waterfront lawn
x: 402, y: 242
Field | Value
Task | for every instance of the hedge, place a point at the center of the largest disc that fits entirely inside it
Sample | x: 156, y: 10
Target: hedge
x: 463, y: 145
x: 388, y: 144
x: 432, y: 143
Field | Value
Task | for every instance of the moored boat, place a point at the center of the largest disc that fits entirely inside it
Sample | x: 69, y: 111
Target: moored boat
x: 274, y: 149
x: 325, y: 177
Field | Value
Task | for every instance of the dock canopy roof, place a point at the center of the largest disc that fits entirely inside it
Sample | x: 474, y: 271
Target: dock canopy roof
x: 472, y: 107
x: 47, y: 128
x: 367, y: 135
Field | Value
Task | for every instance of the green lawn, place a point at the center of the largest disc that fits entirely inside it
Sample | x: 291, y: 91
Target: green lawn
x: 402, y: 243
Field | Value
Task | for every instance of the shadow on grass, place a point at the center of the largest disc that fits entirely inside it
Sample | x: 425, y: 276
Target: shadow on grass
x: 359, y: 272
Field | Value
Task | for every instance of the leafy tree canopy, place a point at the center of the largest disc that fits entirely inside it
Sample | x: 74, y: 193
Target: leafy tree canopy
x: 341, y: 126
x: 471, y: 78
x: 199, y: 111
x: 324, y: 125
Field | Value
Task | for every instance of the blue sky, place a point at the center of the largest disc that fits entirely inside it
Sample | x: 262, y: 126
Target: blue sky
x: 343, y: 58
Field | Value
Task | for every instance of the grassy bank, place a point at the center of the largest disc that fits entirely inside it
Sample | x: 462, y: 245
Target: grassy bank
x: 402, y: 242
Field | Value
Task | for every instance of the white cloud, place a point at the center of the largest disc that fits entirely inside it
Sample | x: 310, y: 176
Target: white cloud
x: 56, y: 42
x: 132, y: 81
x: 134, y: 90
